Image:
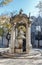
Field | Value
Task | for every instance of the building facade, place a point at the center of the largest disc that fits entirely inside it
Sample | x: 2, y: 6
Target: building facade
x: 36, y: 30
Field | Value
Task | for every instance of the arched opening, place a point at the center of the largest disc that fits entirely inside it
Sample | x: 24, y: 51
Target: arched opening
x: 20, y: 37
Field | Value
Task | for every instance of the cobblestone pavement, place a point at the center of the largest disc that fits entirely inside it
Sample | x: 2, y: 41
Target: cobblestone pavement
x: 20, y: 61
x: 29, y: 61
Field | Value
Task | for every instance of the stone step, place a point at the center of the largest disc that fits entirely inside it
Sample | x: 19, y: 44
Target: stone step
x: 27, y: 56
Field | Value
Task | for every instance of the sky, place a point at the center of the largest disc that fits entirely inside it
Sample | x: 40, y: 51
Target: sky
x: 28, y: 6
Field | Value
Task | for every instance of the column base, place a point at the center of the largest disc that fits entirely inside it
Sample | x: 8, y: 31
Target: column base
x: 27, y: 51
x: 11, y: 51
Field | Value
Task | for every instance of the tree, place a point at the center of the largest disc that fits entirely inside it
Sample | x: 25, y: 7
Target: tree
x: 4, y: 2
x: 1, y: 31
x: 8, y: 26
x: 39, y: 6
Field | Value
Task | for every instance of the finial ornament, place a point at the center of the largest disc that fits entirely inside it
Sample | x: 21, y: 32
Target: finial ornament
x: 29, y: 15
x: 20, y: 12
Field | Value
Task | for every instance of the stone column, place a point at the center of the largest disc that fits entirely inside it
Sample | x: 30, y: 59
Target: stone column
x: 28, y: 38
x: 12, y: 41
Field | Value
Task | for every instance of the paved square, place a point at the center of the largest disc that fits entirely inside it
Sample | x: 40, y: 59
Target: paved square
x: 20, y: 62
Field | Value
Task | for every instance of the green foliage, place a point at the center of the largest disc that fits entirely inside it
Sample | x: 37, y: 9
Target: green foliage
x: 8, y: 26
x: 1, y: 31
x: 5, y: 27
x: 22, y: 27
x: 4, y: 2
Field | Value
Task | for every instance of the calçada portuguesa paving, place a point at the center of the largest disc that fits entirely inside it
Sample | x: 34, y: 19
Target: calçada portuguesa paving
x: 20, y: 61
x: 31, y: 60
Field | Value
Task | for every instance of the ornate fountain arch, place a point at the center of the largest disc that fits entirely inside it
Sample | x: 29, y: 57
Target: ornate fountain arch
x: 20, y: 19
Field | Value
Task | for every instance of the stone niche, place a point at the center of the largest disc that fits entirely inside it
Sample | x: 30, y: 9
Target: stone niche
x: 21, y: 34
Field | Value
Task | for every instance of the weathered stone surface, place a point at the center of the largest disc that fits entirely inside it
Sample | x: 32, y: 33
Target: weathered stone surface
x: 21, y: 20
x: 23, y: 61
